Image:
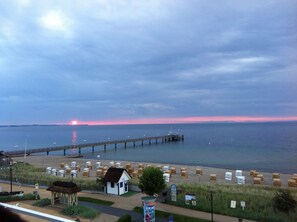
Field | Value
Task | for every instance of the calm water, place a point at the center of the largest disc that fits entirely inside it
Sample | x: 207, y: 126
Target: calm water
x: 260, y: 146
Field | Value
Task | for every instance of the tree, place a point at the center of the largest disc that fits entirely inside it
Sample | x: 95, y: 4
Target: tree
x: 284, y: 201
x: 100, y: 183
x: 151, y: 182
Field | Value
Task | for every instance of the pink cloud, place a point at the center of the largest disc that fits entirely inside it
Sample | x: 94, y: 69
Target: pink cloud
x: 194, y: 119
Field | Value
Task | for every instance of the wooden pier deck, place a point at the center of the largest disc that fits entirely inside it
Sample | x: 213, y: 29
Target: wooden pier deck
x: 47, y: 150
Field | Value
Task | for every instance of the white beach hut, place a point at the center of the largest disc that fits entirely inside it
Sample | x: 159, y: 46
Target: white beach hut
x: 74, y: 173
x: 166, y: 177
x: 116, y: 181
x: 54, y: 172
x: 240, y: 179
x: 73, y: 164
x: 49, y: 170
x: 61, y: 173
x: 228, y: 176
x: 238, y: 173
x: 165, y: 168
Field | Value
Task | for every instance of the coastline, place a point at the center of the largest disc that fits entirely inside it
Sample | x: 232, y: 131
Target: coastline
x: 192, y: 177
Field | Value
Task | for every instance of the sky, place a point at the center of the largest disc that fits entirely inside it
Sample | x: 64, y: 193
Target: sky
x: 167, y: 61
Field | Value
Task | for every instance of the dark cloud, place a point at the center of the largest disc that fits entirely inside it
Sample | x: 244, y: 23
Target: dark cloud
x: 100, y: 60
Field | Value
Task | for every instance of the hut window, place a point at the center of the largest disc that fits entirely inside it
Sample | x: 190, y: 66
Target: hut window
x: 121, y: 184
x: 112, y: 184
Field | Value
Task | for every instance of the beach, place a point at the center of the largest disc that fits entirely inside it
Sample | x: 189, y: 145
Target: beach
x: 189, y: 176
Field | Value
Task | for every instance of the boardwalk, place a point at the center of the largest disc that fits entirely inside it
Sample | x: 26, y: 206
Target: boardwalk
x: 149, y: 140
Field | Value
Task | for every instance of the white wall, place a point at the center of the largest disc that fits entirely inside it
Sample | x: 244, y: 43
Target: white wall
x: 112, y: 190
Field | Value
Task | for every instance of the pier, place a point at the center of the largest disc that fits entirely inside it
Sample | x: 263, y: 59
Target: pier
x: 115, y: 143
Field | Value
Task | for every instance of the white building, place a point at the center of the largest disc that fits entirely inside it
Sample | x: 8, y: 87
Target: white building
x: 116, y: 181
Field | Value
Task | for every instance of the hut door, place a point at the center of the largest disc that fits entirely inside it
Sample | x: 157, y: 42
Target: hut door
x: 126, y: 187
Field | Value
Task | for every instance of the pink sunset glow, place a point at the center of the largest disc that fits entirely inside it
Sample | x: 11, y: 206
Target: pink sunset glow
x: 195, y: 119
x: 74, y: 122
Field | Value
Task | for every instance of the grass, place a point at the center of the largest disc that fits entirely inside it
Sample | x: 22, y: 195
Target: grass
x: 96, y: 201
x: 176, y: 217
x: 81, y: 211
x: 129, y: 194
x: 29, y: 174
x: 258, y: 201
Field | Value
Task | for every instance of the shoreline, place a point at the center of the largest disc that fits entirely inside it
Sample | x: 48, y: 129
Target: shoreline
x: 190, y: 177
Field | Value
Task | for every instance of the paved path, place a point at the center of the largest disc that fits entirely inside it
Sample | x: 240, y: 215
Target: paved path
x: 118, y: 211
x: 122, y: 205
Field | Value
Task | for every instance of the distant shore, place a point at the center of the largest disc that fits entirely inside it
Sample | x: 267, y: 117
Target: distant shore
x: 192, y: 177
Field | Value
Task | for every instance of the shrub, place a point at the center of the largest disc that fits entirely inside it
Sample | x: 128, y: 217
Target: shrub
x: 81, y: 211
x: 125, y: 218
x: 283, y: 201
x: 100, y: 183
x: 43, y: 202
x: 18, y: 198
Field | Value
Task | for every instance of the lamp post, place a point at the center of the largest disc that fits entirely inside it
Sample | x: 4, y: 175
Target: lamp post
x: 10, y: 168
x: 211, y: 203
x: 25, y: 154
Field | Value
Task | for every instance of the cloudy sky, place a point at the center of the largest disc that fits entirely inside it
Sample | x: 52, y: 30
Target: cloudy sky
x: 106, y: 61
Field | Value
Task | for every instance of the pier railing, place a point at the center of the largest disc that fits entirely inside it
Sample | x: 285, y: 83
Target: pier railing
x: 155, y: 139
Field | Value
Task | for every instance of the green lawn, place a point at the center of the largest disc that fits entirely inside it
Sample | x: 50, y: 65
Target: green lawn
x: 96, y: 201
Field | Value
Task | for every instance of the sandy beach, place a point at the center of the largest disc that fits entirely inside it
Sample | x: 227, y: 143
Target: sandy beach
x: 190, y: 177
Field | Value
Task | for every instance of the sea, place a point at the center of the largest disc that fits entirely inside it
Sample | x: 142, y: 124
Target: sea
x: 268, y: 147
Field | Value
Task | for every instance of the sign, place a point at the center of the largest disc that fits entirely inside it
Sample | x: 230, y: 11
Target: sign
x: 233, y: 204
x: 173, y: 192
x: 148, y: 204
x: 190, y: 199
x: 36, y: 186
x: 242, y: 204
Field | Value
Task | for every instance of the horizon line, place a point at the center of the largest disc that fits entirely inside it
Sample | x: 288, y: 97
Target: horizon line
x: 185, y: 120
